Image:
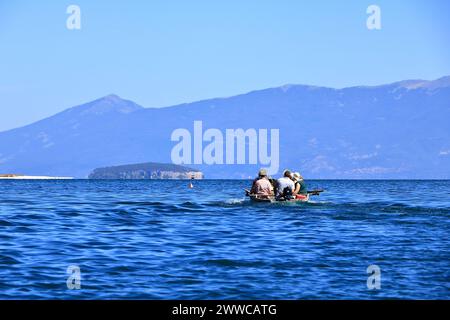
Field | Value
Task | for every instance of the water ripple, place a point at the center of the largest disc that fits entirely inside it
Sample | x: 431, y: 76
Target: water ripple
x: 143, y: 240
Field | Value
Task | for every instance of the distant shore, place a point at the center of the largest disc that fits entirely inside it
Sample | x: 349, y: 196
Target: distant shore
x: 24, y: 177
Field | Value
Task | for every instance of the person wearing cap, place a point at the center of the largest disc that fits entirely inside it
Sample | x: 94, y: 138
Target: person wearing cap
x: 261, y: 185
x: 285, y: 185
x: 300, y: 191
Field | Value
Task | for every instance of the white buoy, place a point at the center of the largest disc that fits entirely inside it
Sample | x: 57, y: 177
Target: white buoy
x: 191, y: 185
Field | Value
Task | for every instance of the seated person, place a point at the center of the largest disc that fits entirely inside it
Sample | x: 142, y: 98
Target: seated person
x: 261, y: 185
x: 300, y: 191
x: 274, y: 184
x: 285, y: 186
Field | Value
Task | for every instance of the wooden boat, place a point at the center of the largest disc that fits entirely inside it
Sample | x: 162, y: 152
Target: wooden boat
x: 272, y: 199
x: 256, y: 198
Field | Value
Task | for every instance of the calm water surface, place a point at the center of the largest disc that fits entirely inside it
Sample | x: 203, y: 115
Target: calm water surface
x: 158, y: 239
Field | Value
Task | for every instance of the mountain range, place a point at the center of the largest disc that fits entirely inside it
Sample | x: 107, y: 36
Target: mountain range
x: 398, y: 130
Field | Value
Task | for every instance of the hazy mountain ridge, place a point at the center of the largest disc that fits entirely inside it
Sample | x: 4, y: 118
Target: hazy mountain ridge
x: 398, y: 130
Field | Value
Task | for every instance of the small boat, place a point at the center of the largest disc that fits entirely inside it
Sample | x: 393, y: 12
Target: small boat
x: 273, y: 199
x: 256, y: 198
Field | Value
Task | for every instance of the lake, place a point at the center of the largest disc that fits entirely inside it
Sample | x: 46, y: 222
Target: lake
x: 157, y: 239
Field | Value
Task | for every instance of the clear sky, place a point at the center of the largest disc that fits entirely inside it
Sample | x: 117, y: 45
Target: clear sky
x: 160, y: 53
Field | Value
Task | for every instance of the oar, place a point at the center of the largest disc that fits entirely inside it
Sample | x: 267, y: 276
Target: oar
x: 315, y: 192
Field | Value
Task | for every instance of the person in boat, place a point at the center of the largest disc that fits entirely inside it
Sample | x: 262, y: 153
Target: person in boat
x: 285, y: 186
x: 300, y: 190
x: 274, y: 184
x: 261, y: 185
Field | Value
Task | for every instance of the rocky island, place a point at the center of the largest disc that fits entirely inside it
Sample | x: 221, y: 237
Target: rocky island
x: 149, y: 170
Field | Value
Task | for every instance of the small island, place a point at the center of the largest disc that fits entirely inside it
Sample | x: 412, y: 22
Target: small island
x: 149, y: 170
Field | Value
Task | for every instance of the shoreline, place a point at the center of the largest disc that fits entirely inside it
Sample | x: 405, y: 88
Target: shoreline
x: 19, y: 177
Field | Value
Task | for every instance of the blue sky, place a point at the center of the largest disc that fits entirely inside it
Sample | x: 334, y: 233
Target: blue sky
x: 160, y: 53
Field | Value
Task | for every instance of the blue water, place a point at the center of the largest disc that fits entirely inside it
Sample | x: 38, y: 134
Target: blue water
x: 159, y: 239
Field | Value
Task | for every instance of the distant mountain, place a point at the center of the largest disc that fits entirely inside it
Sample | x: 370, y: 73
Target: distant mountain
x: 149, y: 170
x: 398, y: 130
